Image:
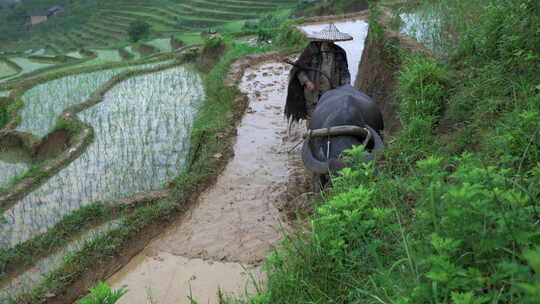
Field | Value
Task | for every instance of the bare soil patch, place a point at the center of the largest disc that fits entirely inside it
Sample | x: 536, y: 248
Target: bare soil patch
x: 51, y: 145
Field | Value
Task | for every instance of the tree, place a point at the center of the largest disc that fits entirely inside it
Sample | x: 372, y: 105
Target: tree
x: 137, y: 30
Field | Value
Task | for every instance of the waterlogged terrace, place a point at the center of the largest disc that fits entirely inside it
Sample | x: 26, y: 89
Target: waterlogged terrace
x: 27, y: 280
x: 13, y: 162
x: 45, y: 102
x: 141, y: 131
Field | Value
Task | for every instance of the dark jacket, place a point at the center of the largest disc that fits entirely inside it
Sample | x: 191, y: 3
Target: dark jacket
x: 295, y: 106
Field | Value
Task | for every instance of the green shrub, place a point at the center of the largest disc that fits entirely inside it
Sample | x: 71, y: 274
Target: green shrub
x: 137, y: 30
x: 422, y: 87
x: 289, y: 36
x: 4, y: 118
x: 213, y: 43
x: 250, y: 25
x: 506, y: 33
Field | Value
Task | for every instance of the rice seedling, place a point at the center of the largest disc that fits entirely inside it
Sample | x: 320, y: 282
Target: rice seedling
x: 4, y: 93
x: 13, y: 162
x: 141, y: 131
x: 26, y: 280
x: 45, y: 102
x: 424, y: 26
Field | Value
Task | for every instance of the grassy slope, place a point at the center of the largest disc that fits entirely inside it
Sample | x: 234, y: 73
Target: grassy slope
x: 452, y: 217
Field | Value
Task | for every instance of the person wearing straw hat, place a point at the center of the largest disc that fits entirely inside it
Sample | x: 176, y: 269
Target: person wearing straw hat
x: 322, y: 66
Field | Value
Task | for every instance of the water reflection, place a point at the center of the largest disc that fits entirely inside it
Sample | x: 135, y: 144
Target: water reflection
x: 45, y: 102
x: 141, y: 132
x: 13, y: 162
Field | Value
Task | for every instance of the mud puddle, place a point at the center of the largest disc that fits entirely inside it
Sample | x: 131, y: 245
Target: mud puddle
x: 227, y: 234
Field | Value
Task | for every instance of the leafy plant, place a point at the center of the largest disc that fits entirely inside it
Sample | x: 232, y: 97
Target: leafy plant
x: 137, y: 30
x: 101, y: 293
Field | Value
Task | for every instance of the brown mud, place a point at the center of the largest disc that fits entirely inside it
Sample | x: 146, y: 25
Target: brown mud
x: 223, y: 238
x: 51, y: 145
x: 203, y: 251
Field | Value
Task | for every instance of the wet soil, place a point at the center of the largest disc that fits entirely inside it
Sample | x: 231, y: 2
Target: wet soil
x: 235, y: 224
x: 53, y: 144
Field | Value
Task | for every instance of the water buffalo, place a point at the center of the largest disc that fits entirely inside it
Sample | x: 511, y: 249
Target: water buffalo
x: 359, y: 118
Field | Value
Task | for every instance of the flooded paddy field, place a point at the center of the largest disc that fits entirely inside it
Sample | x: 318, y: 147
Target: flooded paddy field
x: 13, y: 162
x: 28, y: 65
x: 162, y: 45
x: 42, y: 106
x: 6, y: 70
x: 108, y: 55
x: 424, y: 26
x: 31, y: 277
x: 141, y: 129
x: 45, y: 102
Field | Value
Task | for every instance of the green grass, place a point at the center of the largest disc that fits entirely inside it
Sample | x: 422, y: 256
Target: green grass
x: 452, y: 214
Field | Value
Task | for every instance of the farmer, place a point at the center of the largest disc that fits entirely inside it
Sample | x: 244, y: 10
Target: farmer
x: 322, y: 66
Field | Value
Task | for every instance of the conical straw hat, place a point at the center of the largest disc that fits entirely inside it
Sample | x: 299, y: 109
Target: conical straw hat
x: 329, y: 33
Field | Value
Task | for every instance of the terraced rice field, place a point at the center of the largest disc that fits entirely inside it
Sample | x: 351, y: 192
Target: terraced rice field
x: 28, y: 65
x: 141, y: 129
x: 163, y: 44
x: 109, y: 26
x: 425, y: 27
x: 13, y: 162
x: 75, y: 55
x: 25, y: 281
x: 6, y: 70
x: 44, y: 103
x: 108, y: 55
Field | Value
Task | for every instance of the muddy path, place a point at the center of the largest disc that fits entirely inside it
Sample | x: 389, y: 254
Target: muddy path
x: 223, y: 238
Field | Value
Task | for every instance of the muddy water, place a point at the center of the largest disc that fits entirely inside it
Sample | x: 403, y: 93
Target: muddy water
x: 236, y: 222
x: 356, y: 28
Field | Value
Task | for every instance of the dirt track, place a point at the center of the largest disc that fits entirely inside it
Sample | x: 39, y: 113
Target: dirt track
x: 227, y: 234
